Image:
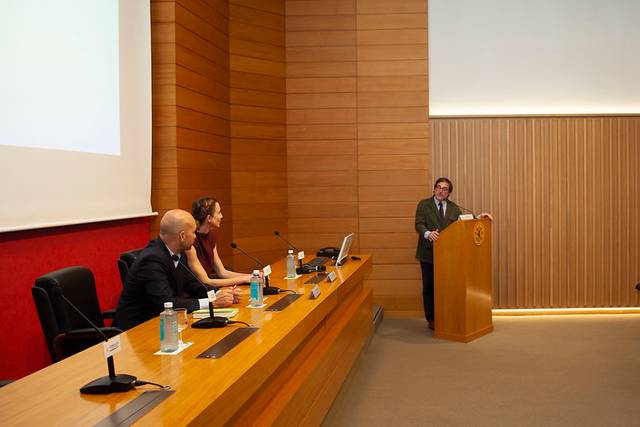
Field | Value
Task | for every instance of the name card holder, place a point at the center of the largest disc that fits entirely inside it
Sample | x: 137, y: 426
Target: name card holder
x: 315, y: 292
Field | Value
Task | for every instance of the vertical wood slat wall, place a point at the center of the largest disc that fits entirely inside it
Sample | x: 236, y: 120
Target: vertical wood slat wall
x: 564, y: 192
x: 258, y: 118
x: 358, y: 154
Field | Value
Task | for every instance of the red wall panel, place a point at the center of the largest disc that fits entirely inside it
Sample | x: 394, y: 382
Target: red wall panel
x: 26, y: 255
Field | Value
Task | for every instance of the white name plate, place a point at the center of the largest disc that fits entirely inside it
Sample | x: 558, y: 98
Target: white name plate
x: 112, y: 346
x: 301, y: 255
x: 211, y: 295
x: 266, y: 270
x: 331, y: 276
x: 465, y: 217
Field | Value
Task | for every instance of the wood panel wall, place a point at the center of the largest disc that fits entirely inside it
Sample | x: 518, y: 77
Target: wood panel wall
x: 357, y: 135
x: 219, y: 117
x: 393, y: 145
x: 564, y: 192
x: 258, y: 136
x: 164, y: 182
x: 321, y: 122
x: 310, y: 117
x: 191, y: 135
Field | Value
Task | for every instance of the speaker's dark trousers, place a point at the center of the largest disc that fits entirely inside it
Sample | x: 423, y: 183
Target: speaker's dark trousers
x: 427, y: 289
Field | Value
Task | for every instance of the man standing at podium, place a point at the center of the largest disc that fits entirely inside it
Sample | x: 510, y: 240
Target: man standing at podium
x: 432, y: 216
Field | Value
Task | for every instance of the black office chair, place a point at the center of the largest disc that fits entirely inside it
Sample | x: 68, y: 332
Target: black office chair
x: 125, y: 262
x: 65, y: 331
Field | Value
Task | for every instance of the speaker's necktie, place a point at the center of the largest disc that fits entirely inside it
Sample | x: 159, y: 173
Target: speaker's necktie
x: 441, y: 211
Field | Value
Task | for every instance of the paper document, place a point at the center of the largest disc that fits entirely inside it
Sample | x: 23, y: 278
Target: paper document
x: 222, y: 312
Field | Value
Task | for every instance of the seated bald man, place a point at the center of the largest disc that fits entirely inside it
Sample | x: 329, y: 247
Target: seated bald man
x: 157, y: 276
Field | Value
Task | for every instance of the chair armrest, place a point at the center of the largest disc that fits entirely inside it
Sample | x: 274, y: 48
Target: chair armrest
x: 76, y: 340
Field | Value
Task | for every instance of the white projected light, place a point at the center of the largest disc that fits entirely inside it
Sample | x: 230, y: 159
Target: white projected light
x: 75, y: 112
x: 60, y: 75
x: 522, y: 57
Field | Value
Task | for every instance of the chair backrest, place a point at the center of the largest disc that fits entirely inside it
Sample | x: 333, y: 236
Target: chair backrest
x: 125, y: 262
x: 77, y: 284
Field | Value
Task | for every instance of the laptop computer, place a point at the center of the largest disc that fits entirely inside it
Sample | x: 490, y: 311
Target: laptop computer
x: 343, y: 256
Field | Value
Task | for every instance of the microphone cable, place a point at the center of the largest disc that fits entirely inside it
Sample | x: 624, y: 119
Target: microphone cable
x: 139, y: 383
x: 231, y: 322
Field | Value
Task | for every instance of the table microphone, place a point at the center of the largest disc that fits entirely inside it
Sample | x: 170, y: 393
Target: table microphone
x: 277, y: 233
x: 211, y: 321
x: 104, y: 385
x: 268, y: 290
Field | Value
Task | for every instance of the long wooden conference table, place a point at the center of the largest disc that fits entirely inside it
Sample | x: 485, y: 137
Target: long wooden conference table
x: 288, y: 372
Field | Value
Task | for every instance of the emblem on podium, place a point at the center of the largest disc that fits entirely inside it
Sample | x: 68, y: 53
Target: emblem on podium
x: 478, y: 233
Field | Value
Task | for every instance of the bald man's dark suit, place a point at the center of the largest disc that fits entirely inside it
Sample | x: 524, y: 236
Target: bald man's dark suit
x: 153, y: 280
x: 428, y: 219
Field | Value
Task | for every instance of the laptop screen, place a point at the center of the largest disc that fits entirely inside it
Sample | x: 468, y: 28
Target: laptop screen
x: 344, y: 249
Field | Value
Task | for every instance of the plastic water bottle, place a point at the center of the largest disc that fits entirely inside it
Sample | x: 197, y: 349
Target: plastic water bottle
x: 168, y: 328
x: 256, y: 289
x: 291, y: 265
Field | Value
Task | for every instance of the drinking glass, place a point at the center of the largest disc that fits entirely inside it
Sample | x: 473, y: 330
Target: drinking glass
x: 183, y: 322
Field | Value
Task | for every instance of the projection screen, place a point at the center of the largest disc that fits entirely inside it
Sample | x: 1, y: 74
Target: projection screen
x: 75, y: 119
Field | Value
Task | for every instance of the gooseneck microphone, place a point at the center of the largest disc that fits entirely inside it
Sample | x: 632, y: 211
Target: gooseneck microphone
x: 467, y: 210
x: 268, y: 290
x: 113, y: 383
x: 212, y: 321
x: 277, y: 233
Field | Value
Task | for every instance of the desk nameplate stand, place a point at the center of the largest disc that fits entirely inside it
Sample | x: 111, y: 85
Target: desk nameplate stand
x: 283, y: 303
x: 221, y: 348
x: 134, y: 410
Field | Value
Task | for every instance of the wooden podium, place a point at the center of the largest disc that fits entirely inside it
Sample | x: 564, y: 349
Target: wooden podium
x: 462, y: 281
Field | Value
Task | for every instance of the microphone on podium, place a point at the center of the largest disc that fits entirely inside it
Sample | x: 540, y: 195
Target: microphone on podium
x: 462, y: 208
x: 212, y: 321
x: 476, y: 216
x: 268, y: 290
x: 104, y: 385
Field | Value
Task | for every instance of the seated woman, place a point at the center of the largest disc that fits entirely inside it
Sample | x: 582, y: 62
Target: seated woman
x: 203, y: 256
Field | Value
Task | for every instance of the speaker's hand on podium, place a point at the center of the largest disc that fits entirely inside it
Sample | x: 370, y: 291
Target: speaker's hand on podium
x: 433, y: 235
x: 485, y: 215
